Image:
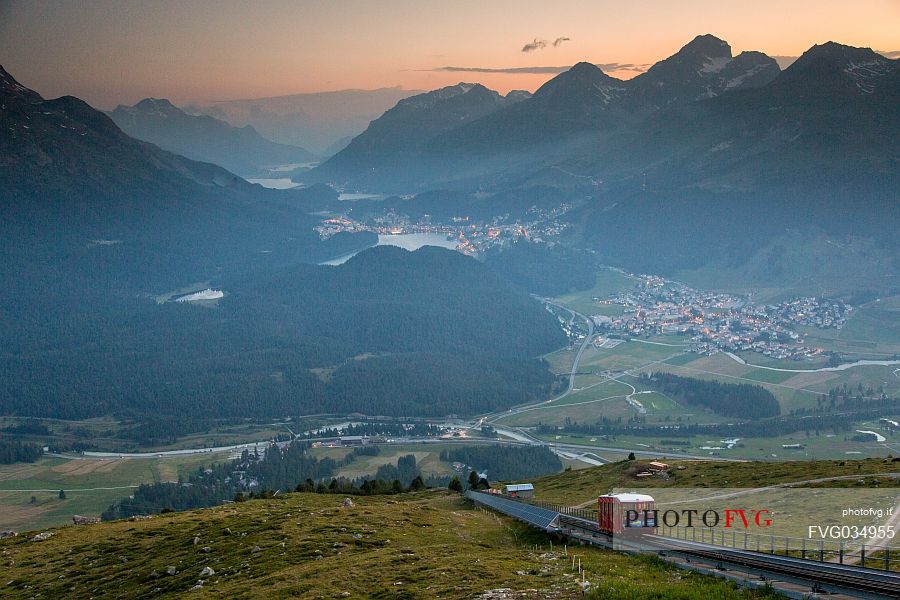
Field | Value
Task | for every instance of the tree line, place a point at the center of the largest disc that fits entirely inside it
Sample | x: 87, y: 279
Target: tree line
x: 382, y: 428
x: 506, y: 463
x: 13, y: 452
x: 742, y: 400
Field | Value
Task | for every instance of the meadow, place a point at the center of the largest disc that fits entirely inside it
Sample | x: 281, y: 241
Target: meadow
x: 29, y: 492
x: 425, y: 545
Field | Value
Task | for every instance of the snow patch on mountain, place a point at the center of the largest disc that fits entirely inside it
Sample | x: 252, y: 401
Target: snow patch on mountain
x: 865, y: 73
x: 735, y: 82
x: 714, y: 65
x: 608, y: 93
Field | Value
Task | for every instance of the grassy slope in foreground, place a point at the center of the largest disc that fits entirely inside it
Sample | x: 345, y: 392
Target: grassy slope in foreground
x: 575, y: 487
x: 428, y: 545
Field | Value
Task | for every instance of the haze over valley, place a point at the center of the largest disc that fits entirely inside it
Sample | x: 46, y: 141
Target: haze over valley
x: 354, y: 275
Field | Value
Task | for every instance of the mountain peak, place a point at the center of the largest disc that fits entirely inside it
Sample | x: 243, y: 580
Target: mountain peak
x: 707, y: 45
x: 585, y: 67
x: 583, y: 77
x: 5, y: 76
x: 156, y: 104
x: 517, y: 96
x: 10, y: 87
x: 703, y: 57
x: 462, y: 88
x: 840, y: 53
x: 852, y: 68
x: 702, y: 68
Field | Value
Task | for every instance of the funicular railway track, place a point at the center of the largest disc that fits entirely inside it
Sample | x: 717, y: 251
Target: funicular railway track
x: 817, y: 577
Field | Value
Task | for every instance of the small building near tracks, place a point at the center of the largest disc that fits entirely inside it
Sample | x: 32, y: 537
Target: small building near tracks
x: 520, y: 490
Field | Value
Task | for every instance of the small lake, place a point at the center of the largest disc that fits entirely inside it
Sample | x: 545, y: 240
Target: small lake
x: 408, y: 241
x: 285, y: 183
x: 292, y: 167
x: 355, y: 197
x: 276, y: 183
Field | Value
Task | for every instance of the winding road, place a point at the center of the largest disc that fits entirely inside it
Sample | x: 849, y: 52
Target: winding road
x: 492, y: 417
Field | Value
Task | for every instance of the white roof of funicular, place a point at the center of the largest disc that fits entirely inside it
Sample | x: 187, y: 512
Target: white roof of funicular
x: 632, y: 497
x: 519, y: 487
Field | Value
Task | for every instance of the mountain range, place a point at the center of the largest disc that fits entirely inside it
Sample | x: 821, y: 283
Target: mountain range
x: 80, y: 197
x: 241, y: 150
x: 706, y: 159
x: 701, y: 105
x: 579, y: 102
x: 402, y: 133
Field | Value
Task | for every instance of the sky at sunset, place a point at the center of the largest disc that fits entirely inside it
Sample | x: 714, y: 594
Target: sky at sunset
x: 203, y: 50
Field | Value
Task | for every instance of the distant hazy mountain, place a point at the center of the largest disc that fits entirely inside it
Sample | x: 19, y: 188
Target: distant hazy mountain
x: 577, y: 104
x: 401, y: 133
x: 315, y: 121
x: 65, y: 146
x: 241, y: 150
x: 81, y: 197
x: 337, y: 146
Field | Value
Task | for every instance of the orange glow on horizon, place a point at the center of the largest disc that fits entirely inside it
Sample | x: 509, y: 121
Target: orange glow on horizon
x: 119, y: 51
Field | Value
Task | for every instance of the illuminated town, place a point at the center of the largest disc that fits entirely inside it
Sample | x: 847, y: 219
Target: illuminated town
x: 472, y: 237
x: 718, y: 322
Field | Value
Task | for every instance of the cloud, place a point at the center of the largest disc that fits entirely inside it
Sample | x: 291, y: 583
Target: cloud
x: 535, y: 45
x: 559, y: 41
x: 509, y: 70
x: 892, y: 54
x: 607, y: 67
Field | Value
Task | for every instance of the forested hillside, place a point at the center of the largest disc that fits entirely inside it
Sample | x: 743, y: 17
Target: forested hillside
x: 100, y: 232
x: 392, y: 332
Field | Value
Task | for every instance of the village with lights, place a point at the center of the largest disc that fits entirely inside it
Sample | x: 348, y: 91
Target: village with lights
x: 472, y: 237
x: 718, y: 322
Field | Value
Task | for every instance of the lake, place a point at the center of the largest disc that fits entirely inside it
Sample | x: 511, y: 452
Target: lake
x: 352, y: 197
x: 285, y: 183
x: 276, y: 183
x: 409, y: 241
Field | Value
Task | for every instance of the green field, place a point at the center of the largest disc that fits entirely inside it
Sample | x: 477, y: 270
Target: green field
x: 627, y: 355
x: 596, y: 396
x: 560, y: 362
x: 820, y: 447
x: 103, y: 434
x: 427, y: 459
x: 793, y: 390
x: 83, y: 482
x: 609, y: 281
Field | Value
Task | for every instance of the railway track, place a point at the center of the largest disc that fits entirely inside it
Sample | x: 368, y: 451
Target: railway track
x: 818, y: 577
